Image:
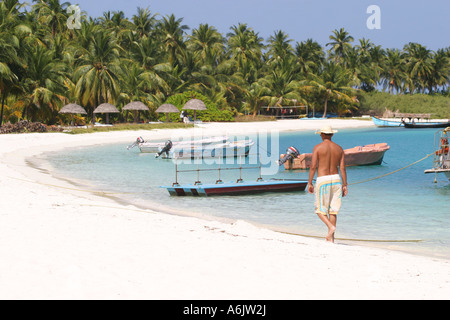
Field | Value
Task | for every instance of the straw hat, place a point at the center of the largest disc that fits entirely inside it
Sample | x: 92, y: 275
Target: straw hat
x: 326, y: 130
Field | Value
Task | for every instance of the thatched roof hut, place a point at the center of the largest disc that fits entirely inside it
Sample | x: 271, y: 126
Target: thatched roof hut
x: 136, y: 106
x: 167, y: 108
x: 106, y: 108
x: 195, y: 104
x: 72, y: 108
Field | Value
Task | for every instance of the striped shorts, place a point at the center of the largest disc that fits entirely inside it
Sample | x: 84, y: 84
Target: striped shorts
x: 328, y: 191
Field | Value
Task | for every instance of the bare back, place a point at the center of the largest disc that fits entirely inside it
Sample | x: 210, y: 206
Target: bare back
x: 328, y: 158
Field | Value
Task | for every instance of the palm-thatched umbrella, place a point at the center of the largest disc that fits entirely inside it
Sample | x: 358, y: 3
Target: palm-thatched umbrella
x: 72, y: 109
x: 106, y: 108
x: 167, y: 108
x: 136, y: 106
x: 195, y: 104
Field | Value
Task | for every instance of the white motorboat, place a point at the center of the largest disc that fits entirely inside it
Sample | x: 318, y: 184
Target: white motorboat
x: 153, y: 147
x: 212, y: 150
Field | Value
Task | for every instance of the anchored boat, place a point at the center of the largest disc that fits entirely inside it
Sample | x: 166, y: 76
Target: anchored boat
x: 233, y: 188
x: 153, y: 147
x: 237, y: 188
x: 387, y: 123
x: 441, y: 161
x: 419, y: 125
x: 216, y: 150
x: 367, y: 155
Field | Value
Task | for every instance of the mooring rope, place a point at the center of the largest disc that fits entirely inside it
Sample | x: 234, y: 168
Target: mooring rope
x: 387, y: 174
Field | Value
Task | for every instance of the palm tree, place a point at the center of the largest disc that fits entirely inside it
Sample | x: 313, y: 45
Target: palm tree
x: 96, y: 75
x: 393, y: 73
x: 171, y: 33
x: 440, y: 71
x: 43, y: 84
x: 282, y: 85
x: 53, y: 14
x: 419, y: 65
x: 254, y: 97
x: 144, y: 22
x: 333, y: 83
x: 7, y: 77
x: 279, y: 47
x: 310, y: 56
x: 246, y: 50
x: 146, y: 53
x: 340, y: 43
x: 208, y: 43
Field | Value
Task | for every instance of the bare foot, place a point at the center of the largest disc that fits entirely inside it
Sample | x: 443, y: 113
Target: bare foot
x: 330, y: 236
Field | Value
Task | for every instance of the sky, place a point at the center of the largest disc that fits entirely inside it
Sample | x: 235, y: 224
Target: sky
x: 397, y: 22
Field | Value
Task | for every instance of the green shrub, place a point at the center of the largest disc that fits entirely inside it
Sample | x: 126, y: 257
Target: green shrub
x: 377, y: 103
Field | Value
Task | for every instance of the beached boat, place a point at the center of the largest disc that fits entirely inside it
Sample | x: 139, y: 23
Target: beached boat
x: 441, y: 161
x: 387, y: 123
x: 367, y: 155
x: 153, y: 147
x: 237, y: 188
x: 213, y: 150
x: 425, y: 125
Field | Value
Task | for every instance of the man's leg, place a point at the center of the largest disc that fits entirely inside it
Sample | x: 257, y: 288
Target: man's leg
x: 330, y: 223
x: 333, y: 220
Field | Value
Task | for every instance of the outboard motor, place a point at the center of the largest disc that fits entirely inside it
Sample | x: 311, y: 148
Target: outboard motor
x: 291, y: 153
x: 165, y: 150
x: 137, y: 142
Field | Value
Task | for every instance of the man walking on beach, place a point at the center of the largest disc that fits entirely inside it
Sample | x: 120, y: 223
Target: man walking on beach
x: 328, y: 160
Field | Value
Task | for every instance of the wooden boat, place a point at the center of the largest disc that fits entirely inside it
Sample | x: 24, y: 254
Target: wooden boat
x: 441, y: 161
x: 367, y: 155
x: 418, y: 125
x: 237, y: 188
x: 240, y: 187
x: 153, y: 147
x: 387, y: 123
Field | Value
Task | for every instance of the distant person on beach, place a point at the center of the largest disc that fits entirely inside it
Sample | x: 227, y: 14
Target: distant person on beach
x: 328, y: 160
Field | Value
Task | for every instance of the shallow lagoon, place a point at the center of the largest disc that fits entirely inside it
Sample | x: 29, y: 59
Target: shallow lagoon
x: 406, y: 205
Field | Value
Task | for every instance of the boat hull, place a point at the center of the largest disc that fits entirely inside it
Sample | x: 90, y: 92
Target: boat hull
x: 358, y: 156
x: 153, y: 147
x: 237, y: 188
x: 425, y: 125
x: 223, y: 150
x: 387, y: 123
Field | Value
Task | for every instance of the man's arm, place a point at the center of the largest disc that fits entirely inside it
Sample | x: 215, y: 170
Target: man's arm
x: 343, y: 175
x: 312, y: 171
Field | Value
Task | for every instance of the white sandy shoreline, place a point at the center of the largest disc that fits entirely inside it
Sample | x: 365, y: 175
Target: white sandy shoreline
x: 60, y: 243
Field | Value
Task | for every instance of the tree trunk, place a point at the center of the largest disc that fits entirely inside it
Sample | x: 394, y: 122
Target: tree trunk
x: 325, y: 109
x: 3, y: 104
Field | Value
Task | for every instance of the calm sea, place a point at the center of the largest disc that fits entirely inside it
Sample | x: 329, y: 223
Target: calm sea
x: 404, y: 211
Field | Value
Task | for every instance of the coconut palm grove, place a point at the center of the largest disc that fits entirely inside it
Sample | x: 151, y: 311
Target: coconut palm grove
x: 46, y: 63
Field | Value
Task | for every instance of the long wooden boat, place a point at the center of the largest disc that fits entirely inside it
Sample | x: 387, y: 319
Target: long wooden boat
x: 387, y: 123
x: 367, y: 155
x: 237, y: 188
x: 425, y: 125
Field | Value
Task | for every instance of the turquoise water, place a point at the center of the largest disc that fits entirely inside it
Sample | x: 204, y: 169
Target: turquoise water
x: 406, y: 205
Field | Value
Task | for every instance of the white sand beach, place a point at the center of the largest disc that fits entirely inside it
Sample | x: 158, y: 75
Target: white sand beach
x: 57, y: 242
